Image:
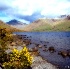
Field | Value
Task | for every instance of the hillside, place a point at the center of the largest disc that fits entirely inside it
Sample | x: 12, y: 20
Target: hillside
x: 17, y: 24
x: 49, y: 25
x: 62, y: 26
x: 37, y: 25
x: 8, y: 27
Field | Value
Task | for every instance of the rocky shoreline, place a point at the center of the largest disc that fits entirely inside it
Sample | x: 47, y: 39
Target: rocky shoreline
x: 38, y: 61
x: 22, y: 40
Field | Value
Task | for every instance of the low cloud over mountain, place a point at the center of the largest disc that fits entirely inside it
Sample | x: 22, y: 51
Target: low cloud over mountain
x: 30, y: 10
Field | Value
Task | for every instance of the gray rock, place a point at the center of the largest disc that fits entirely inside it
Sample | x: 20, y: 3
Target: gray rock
x: 40, y: 46
x: 30, y: 49
x: 8, y: 51
x: 35, y: 49
x: 19, y: 48
x: 39, y: 63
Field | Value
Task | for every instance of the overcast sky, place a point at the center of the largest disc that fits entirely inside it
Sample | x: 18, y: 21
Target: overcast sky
x: 29, y: 10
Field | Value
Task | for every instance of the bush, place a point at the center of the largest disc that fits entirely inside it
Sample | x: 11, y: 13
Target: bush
x: 5, y: 37
x: 3, y: 56
x: 18, y: 59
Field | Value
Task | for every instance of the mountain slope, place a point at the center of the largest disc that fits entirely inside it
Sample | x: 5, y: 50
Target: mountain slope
x: 8, y: 27
x: 17, y: 24
x: 62, y: 26
x: 49, y: 25
x: 36, y: 24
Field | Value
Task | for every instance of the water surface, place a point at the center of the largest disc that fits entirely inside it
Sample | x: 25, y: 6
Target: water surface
x: 59, y: 40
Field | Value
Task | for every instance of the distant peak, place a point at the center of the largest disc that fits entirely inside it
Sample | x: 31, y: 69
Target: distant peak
x: 15, y: 22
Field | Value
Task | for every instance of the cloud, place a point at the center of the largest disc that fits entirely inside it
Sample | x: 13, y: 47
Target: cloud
x: 30, y: 18
x: 3, y: 8
x: 45, y: 7
x: 57, y: 8
x: 30, y: 10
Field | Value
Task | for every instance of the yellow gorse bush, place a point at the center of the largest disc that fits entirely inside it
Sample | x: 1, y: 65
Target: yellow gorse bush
x: 19, y: 59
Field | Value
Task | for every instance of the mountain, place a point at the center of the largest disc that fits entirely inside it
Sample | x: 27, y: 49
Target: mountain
x: 49, y: 25
x: 17, y: 24
x: 64, y: 25
x: 36, y: 24
x: 7, y: 27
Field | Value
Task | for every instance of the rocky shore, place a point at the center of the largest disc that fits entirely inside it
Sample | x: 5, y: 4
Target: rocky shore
x: 22, y: 40
x: 39, y: 63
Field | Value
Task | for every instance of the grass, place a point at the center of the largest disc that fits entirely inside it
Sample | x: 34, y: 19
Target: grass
x: 46, y: 27
x: 63, y: 25
x: 8, y: 27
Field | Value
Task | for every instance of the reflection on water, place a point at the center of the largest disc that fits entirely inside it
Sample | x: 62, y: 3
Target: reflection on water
x: 59, y: 40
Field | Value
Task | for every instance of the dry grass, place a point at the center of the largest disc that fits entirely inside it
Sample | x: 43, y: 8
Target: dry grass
x: 49, y: 25
x: 7, y: 27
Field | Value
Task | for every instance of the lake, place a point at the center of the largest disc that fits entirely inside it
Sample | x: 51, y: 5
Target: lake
x: 59, y: 40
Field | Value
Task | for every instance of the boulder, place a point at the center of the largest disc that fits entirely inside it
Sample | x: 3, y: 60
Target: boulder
x: 23, y: 45
x: 27, y: 42
x: 40, y: 46
x: 68, y: 52
x: 45, y: 45
x: 30, y: 49
x: 37, y: 53
x: 63, y: 53
x: 13, y: 44
x: 35, y: 49
x: 8, y: 51
x: 51, y: 49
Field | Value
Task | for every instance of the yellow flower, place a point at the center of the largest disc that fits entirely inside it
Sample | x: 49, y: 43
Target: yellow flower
x: 19, y: 62
x: 25, y: 49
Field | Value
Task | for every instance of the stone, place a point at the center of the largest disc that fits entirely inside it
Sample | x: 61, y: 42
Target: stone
x: 27, y: 42
x: 63, y: 53
x: 35, y: 49
x: 40, y: 46
x: 39, y: 63
x: 13, y: 44
x: 30, y: 49
x: 8, y: 51
x: 44, y: 49
x: 51, y: 49
x: 36, y: 53
x: 68, y: 52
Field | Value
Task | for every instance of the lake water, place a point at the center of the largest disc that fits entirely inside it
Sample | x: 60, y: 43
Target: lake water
x: 59, y: 40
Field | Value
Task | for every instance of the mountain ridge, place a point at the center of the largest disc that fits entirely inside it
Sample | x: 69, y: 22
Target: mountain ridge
x: 49, y: 25
x: 15, y: 22
x: 7, y: 27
